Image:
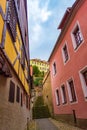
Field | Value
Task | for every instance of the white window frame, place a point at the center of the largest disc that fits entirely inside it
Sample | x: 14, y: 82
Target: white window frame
x: 83, y: 84
x: 73, y: 38
x: 57, y: 98
x: 63, y: 101
x: 69, y: 91
x: 63, y: 55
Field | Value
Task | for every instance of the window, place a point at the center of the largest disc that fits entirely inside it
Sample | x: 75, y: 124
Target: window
x: 83, y: 78
x: 12, y: 19
x: 65, y: 53
x: 71, y: 91
x: 18, y: 94
x: 63, y: 94
x: 21, y: 99
x: 54, y: 68
x: 12, y: 92
x: 77, y: 36
x: 57, y: 97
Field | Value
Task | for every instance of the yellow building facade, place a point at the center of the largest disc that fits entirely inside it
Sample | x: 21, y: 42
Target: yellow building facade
x: 41, y: 64
x: 14, y: 65
x: 47, y: 92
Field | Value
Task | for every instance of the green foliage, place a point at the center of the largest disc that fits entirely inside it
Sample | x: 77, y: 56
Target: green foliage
x: 39, y: 101
x: 38, y: 81
x: 38, y: 76
x: 40, y: 110
x: 36, y: 71
x: 42, y: 74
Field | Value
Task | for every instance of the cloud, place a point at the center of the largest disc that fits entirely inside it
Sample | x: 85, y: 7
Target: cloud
x: 37, y: 16
x: 37, y: 13
x: 45, y: 13
x: 44, y: 18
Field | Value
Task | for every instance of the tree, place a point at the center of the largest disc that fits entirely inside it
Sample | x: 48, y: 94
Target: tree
x: 38, y: 81
x: 36, y: 71
x: 38, y: 76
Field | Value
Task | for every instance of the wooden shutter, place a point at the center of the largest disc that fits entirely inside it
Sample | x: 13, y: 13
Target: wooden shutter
x: 21, y: 99
x: 18, y: 94
x: 12, y: 92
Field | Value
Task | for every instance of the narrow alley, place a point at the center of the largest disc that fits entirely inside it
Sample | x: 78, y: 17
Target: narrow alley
x: 43, y: 66
x: 45, y: 124
x: 51, y: 124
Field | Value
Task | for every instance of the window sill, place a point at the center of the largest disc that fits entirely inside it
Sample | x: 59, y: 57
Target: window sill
x: 72, y: 102
x: 58, y: 104
x: 77, y: 45
x: 64, y: 103
x: 66, y: 61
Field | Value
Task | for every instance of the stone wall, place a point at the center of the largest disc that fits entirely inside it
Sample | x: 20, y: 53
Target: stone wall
x: 69, y: 118
x: 13, y: 116
x: 47, y: 92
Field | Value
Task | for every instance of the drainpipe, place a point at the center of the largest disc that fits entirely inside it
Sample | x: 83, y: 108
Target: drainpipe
x: 74, y: 116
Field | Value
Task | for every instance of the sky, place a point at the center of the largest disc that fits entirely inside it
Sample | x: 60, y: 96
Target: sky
x: 44, y: 16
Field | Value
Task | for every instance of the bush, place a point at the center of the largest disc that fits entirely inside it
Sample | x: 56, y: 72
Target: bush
x: 40, y: 110
x: 39, y: 101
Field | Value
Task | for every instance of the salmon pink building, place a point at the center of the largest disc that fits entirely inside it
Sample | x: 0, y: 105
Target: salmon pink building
x: 68, y: 66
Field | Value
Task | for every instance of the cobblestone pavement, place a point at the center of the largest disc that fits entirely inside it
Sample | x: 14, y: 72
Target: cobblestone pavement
x: 64, y: 126
x: 45, y: 124
x: 50, y: 124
